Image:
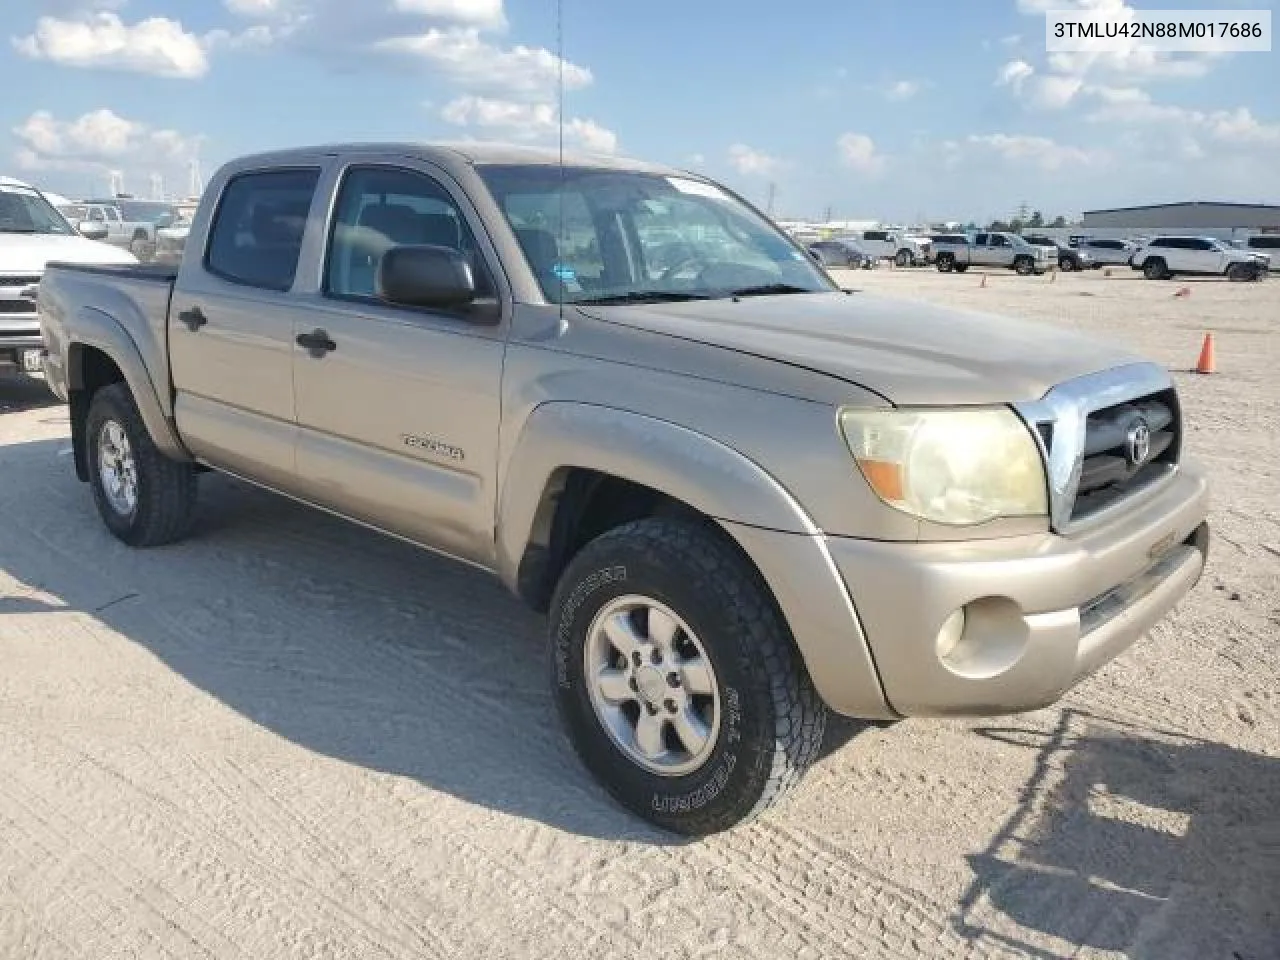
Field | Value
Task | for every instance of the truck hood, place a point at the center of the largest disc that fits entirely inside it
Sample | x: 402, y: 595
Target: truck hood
x: 29, y: 252
x: 908, y: 352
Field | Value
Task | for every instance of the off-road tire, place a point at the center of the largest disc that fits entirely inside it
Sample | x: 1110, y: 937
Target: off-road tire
x: 772, y: 719
x: 166, y: 497
x: 1154, y: 269
x: 1024, y: 266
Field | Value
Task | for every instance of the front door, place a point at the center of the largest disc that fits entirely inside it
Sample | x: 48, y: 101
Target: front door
x: 231, y: 327
x: 398, y: 410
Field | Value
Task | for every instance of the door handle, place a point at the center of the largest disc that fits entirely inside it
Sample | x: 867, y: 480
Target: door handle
x: 193, y: 318
x: 317, y: 342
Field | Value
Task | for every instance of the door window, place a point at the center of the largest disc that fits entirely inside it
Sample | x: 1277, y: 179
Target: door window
x: 256, y: 237
x: 383, y: 207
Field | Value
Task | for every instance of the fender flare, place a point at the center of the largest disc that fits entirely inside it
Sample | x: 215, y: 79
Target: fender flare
x: 98, y: 329
x: 688, y: 466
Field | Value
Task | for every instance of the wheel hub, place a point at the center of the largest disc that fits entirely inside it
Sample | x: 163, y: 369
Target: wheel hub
x: 652, y: 686
x: 116, y: 468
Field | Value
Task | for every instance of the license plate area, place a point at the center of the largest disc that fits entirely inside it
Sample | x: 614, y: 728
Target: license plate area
x: 31, y: 361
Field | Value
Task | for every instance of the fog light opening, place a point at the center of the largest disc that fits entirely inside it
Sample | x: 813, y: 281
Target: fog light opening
x: 983, y: 638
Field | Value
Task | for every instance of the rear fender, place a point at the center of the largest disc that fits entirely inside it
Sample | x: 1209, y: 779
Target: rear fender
x: 97, y: 329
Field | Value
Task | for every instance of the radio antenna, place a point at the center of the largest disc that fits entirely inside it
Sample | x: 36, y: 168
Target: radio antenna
x: 560, y: 240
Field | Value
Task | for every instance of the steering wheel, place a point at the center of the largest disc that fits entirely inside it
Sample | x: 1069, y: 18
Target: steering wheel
x: 690, y: 260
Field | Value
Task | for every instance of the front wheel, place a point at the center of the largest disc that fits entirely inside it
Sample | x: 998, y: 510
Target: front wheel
x: 143, y: 497
x: 676, y: 678
x: 1240, y: 272
x: 961, y: 267
x: 1066, y: 264
x: 1154, y: 269
x: 945, y: 262
x: 904, y: 258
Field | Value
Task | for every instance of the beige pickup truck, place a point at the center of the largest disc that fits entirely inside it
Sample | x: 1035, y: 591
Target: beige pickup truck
x: 743, y: 495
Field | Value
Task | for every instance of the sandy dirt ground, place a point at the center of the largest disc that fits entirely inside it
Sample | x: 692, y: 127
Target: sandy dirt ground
x: 289, y: 737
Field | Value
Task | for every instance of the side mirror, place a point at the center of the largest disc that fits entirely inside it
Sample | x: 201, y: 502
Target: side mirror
x: 426, y: 276
x: 91, y: 229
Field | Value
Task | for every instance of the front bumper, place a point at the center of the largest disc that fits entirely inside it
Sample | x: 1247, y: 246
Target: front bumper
x: 1041, y: 612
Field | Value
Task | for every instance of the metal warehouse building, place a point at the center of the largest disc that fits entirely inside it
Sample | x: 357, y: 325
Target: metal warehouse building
x: 1217, y: 218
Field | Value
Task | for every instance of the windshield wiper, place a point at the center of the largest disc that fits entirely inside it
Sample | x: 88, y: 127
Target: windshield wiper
x: 768, y: 289
x: 645, y: 296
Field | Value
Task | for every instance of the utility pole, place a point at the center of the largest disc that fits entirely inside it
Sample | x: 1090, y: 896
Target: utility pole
x: 773, y: 194
x: 826, y: 218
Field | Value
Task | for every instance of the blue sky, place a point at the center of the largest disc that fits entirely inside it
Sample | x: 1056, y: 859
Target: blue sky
x: 874, y: 110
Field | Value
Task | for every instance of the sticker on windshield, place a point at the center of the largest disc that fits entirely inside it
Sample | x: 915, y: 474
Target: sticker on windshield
x: 697, y: 188
x: 568, y: 277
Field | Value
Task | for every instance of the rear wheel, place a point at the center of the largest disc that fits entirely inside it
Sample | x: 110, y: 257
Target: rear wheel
x: 1024, y: 266
x: 143, y: 497
x: 1155, y: 269
x: 904, y: 258
x: 1240, y: 272
x: 946, y: 262
x: 1066, y: 264
x: 677, y: 679
x: 141, y: 247
x: 961, y: 267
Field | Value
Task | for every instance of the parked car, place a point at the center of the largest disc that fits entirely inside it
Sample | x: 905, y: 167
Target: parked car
x: 905, y: 251
x: 1165, y: 257
x: 32, y: 233
x: 1106, y: 252
x: 742, y: 495
x: 132, y: 224
x: 995, y: 250
x: 1069, y: 258
x: 171, y: 240
x: 842, y: 253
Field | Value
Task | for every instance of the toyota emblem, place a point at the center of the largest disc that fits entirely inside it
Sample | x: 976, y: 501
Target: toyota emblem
x: 1138, y: 442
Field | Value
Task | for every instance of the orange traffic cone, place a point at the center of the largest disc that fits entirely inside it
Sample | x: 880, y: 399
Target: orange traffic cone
x: 1183, y: 292
x: 1053, y: 276
x: 1206, y: 363
x: 983, y: 284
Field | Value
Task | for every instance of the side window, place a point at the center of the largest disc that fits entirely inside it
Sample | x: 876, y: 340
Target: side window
x: 383, y: 207
x: 257, y: 230
x: 980, y: 240
x: 999, y: 241
x: 1264, y: 243
x: 1201, y: 245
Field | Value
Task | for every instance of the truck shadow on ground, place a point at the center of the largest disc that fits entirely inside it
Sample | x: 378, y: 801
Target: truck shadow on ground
x: 1153, y: 844
x: 345, y: 642
x: 18, y: 392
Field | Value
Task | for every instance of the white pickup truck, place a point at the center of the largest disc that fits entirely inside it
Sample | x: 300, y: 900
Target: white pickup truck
x: 995, y: 250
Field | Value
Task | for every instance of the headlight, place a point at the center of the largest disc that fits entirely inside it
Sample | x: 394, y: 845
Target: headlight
x: 949, y: 466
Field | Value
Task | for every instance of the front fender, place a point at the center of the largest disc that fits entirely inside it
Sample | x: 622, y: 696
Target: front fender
x: 704, y: 473
x: 95, y: 328
x: 749, y: 504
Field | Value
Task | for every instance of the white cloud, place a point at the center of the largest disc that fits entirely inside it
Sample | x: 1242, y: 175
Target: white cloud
x: 903, y: 89
x: 157, y: 45
x: 1053, y: 92
x: 751, y: 162
x: 1012, y: 40
x: 858, y: 152
x: 464, y: 57
x: 527, y: 121
x: 1129, y: 105
x: 1040, y: 152
x: 100, y: 141
x: 480, y: 12
x: 1014, y: 74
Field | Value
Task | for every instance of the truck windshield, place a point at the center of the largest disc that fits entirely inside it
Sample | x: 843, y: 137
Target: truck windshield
x: 161, y: 214
x: 605, y: 236
x: 23, y: 210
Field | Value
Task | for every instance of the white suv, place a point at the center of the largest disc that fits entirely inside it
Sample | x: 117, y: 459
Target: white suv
x: 1105, y: 252
x: 1164, y: 257
x: 896, y: 246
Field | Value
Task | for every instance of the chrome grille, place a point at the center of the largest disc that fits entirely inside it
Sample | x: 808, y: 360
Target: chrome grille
x: 1084, y: 426
x: 18, y: 306
x: 15, y: 280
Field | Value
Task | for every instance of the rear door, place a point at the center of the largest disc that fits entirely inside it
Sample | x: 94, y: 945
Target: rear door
x: 398, y: 421
x: 231, y: 325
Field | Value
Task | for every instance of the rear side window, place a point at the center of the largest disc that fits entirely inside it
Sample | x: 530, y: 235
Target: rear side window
x: 257, y: 230
x: 1264, y: 243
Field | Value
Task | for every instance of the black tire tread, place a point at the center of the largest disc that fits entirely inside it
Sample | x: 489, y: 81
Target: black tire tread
x: 166, y: 488
x: 719, y: 567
